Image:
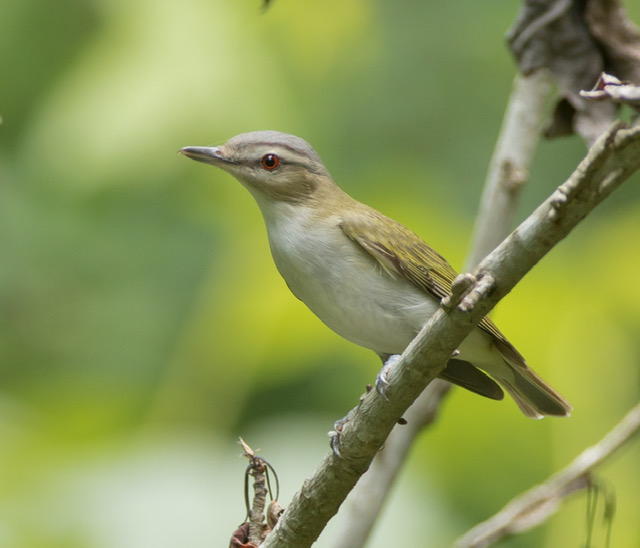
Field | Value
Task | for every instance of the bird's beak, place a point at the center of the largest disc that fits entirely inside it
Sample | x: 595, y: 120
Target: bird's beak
x: 208, y: 155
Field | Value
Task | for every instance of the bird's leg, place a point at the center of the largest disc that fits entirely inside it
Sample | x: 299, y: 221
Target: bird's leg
x: 334, y: 435
x: 389, y: 361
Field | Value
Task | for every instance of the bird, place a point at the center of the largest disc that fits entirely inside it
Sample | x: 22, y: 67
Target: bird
x: 366, y: 276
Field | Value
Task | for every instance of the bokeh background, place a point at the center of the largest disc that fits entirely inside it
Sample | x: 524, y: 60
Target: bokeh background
x: 143, y: 326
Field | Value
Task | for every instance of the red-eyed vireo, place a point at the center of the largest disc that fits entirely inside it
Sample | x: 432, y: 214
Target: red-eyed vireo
x: 367, y: 277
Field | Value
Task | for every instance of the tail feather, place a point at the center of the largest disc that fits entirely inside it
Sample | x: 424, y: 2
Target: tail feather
x: 534, y: 397
x: 466, y: 375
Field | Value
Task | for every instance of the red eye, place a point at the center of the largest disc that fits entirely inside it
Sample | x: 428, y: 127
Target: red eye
x: 270, y: 161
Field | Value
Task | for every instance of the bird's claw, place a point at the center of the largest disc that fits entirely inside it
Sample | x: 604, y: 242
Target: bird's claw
x: 382, y: 384
x: 334, y: 435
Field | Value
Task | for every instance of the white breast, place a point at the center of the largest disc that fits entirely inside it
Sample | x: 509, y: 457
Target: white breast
x: 341, y: 283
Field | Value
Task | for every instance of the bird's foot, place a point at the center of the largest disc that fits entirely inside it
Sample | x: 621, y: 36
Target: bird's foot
x: 381, y: 379
x: 334, y: 435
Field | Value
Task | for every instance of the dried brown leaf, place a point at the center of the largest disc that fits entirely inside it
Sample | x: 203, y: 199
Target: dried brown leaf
x: 577, y: 41
x: 610, y: 87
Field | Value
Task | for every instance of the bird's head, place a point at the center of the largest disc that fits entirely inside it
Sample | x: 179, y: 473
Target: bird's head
x: 270, y: 164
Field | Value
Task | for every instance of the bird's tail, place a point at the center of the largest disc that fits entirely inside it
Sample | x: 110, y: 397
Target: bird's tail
x: 534, y: 397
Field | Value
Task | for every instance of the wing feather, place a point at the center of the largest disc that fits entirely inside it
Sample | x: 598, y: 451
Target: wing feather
x: 401, y: 253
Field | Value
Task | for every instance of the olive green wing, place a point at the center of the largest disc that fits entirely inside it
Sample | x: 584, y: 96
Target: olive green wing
x: 401, y: 253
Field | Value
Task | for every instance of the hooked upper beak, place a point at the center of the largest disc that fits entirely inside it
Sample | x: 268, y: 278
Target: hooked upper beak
x: 208, y: 155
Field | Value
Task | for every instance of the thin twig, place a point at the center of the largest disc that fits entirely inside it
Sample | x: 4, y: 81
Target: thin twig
x: 536, y: 505
x: 257, y: 469
x: 509, y: 168
x: 617, y: 152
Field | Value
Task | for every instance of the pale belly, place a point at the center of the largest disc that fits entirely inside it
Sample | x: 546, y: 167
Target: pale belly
x: 352, y: 295
x: 361, y: 307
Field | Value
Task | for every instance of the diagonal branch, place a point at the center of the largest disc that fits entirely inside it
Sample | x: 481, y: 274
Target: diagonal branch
x: 508, y: 171
x: 367, y: 499
x: 509, y: 168
x: 611, y: 160
x: 534, y: 506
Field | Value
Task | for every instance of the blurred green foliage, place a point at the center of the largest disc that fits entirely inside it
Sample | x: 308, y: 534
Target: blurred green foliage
x: 143, y: 325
